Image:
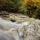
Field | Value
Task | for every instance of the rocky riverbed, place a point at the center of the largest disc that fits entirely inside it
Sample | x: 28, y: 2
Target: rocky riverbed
x: 19, y: 27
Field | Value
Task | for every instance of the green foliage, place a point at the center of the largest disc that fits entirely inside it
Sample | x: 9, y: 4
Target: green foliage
x: 9, y: 5
x: 31, y: 9
x: 27, y: 7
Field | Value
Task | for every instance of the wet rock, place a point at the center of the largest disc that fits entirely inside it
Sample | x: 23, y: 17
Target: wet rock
x: 13, y: 20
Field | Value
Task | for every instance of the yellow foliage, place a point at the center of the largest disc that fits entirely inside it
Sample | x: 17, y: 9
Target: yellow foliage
x: 36, y: 2
x: 30, y: 2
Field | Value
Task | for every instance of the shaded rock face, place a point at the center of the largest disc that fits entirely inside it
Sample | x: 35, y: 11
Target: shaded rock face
x: 29, y: 30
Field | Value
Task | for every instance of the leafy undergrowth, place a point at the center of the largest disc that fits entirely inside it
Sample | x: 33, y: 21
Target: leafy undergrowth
x: 30, y: 8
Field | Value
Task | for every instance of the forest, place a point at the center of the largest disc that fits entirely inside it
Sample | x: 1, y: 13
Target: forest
x: 30, y: 8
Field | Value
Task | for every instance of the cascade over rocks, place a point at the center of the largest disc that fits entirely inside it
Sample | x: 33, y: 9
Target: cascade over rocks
x: 29, y: 30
